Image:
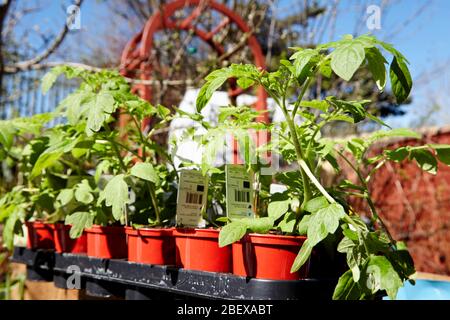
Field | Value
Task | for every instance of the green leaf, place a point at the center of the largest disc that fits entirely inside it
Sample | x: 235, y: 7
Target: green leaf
x: 245, y: 83
x: 100, y: 109
x: 355, y: 108
x: 83, y: 192
x: 10, y: 229
x: 377, y: 120
x: 315, y: 104
x: 79, y: 221
x: 425, y: 160
x: 345, y: 245
x: 400, y: 132
x: 443, y: 152
x: 51, y: 155
x: 75, y: 106
x: 357, y: 147
x: 102, y: 167
x: 231, y: 233
x: 65, y: 196
x: 278, y: 208
x: 302, y: 257
x: 50, y: 77
x: 316, y: 204
x: 376, y: 66
x: 287, y: 225
x: 324, y: 221
x: 116, y: 196
x: 401, y: 80
x: 214, y: 81
x: 346, y: 59
x: 163, y: 112
x: 304, y: 60
x: 145, y: 171
x: 7, y: 132
x: 44, y: 161
x: 398, y: 155
x: 381, y: 269
x: 325, y: 69
x: 259, y: 225
x: 347, y: 289
x: 303, y: 225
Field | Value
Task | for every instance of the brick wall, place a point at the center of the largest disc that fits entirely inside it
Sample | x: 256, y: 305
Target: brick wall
x: 416, y: 205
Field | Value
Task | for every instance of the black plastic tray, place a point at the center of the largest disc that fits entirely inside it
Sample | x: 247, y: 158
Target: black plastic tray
x: 110, y: 277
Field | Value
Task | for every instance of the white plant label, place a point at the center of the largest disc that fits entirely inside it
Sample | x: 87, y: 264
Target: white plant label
x: 191, y: 198
x: 239, y: 191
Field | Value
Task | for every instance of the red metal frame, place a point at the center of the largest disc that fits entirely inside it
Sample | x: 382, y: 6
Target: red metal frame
x: 138, y: 50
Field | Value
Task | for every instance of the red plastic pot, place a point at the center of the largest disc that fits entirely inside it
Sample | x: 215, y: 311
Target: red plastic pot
x: 64, y: 243
x: 153, y: 246
x: 106, y: 242
x: 40, y: 235
x: 198, y: 249
x: 267, y: 256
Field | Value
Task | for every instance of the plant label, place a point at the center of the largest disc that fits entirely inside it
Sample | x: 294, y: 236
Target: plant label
x: 191, y: 198
x: 239, y: 191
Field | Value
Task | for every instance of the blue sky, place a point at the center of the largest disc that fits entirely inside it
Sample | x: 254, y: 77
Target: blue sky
x: 424, y: 40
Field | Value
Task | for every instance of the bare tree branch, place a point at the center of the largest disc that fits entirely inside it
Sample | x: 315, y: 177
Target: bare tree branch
x: 26, y: 65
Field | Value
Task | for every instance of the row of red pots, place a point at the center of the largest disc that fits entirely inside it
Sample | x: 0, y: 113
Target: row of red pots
x: 259, y: 256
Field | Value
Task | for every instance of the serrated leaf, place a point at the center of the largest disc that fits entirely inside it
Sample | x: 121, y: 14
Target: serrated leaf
x: 214, y: 81
x: 324, y: 221
x: 145, y: 171
x: 100, y: 109
x: 231, y: 233
x: 116, y: 196
x: 79, y: 221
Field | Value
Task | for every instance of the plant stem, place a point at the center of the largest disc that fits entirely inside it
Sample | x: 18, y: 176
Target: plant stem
x: 151, y: 190
x: 300, y: 97
x: 116, y: 150
x: 299, y: 153
x: 139, y: 128
x: 368, y: 197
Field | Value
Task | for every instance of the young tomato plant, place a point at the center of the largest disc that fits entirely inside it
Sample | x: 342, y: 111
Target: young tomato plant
x: 376, y: 262
x: 106, y: 176
x: 25, y: 197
